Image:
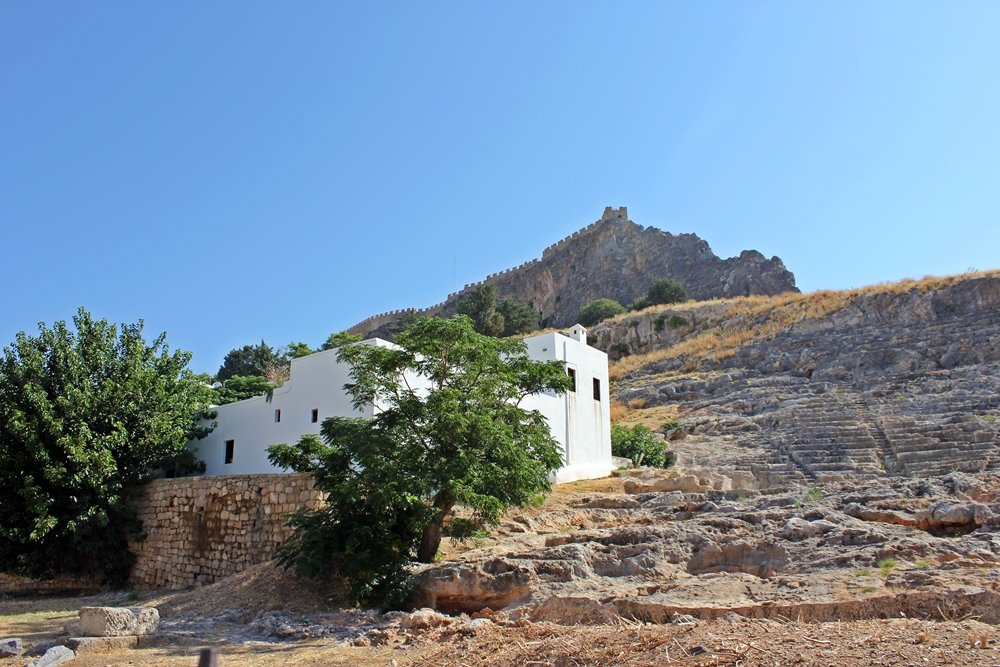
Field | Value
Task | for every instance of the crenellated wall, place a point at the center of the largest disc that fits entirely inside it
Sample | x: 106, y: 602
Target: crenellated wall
x: 199, y: 529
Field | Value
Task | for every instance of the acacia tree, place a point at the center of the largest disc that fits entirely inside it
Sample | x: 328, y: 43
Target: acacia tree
x: 458, y: 437
x: 85, y: 416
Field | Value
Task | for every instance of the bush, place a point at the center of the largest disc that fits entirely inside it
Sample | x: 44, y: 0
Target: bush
x: 639, y: 444
x: 598, y: 310
x: 662, y: 291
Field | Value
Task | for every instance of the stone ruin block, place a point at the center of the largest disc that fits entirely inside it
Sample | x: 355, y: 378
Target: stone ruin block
x: 118, y: 621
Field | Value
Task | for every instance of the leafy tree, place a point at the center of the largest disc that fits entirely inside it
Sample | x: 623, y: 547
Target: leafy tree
x: 597, y: 310
x: 391, y: 480
x: 481, y: 307
x: 339, y: 339
x: 250, y: 360
x: 518, y: 318
x: 639, y: 444
x: 241, y: 387
x: 662, y: 291
x: 86, y: 415
x: 295, y: 350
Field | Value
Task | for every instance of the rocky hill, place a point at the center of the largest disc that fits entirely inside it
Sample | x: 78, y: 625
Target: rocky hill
x: 900, y: 379
x: 619, y: 259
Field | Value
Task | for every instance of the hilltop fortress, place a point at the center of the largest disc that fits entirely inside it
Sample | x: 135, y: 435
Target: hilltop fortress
x: 614, y: 258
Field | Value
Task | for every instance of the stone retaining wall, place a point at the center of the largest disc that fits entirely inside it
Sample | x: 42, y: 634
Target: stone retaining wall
x: 15, y: 585
x: 199, y: 529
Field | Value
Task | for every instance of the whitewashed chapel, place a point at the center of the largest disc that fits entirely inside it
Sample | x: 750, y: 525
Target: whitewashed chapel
x: 580, y: 419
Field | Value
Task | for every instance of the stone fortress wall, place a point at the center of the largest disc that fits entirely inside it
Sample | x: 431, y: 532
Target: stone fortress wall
x: 199, y: 529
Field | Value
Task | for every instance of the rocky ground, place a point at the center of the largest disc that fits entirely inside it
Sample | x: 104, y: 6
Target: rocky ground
x: 652, y: 567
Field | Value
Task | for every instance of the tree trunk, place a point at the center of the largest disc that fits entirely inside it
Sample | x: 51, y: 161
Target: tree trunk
x: 431, y: 539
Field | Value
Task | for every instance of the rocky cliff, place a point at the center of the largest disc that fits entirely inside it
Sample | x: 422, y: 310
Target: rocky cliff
x: 619, y: 259
x: 899, y: 379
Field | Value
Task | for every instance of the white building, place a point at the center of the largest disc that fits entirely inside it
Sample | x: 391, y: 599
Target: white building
x: 580, y: 419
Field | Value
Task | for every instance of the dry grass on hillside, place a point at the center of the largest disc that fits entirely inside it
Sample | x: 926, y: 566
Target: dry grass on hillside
x: 764, y: 317
x: 634, y: 413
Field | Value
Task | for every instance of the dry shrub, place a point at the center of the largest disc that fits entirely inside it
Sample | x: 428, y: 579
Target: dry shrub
x: 757, y: 318
x: 618, y: 411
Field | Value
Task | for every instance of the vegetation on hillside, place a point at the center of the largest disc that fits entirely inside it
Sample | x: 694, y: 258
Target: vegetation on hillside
x: 392, y: 480
x: 492, y: 317
x: 662, y: 291
x: 598, y: 310
x: 87, y: 414
x: 755, y: 318
x: 641, y: 445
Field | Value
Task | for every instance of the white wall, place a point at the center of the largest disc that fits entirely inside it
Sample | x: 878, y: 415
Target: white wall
x: 316, y: 382
x: 579, y: 423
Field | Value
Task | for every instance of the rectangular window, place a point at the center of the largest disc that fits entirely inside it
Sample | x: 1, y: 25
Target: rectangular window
x: 315, y: 415
x: 230, y: 448
x: 277, y: 416
x: 572, y: 378
x: 597, y: 389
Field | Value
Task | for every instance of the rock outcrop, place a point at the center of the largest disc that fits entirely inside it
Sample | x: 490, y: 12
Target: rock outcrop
x: 618, y: 259
x: 858, y: 549
x: 891, y: 380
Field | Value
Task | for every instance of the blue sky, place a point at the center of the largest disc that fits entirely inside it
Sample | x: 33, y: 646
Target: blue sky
x: 232, y: 171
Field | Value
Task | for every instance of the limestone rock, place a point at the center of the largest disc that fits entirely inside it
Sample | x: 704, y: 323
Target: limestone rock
x: 10, y: 648
x: 423, y: 619
x: 799, y: 529
x: 118, y: 621
x: 56, y: 655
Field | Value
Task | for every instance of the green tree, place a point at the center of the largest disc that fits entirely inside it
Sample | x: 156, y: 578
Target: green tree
x: 391, y: 480
x: 295, y: 350
x: 481, y: 307
x: 518, y: 318
x: 597, y: 310
x: 86, y: 415
x: 339, y: 339
x: 241, y: 387
x: 250, y: 360
x: 641, y: 445
x: 662, y: 291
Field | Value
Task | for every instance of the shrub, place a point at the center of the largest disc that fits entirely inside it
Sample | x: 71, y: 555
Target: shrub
x: 639, y: 444
x: 676, y: 321
x: 598, y: 310
x: 662, y: 291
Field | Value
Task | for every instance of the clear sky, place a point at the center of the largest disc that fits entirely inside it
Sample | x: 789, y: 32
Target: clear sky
x: 231, y: 171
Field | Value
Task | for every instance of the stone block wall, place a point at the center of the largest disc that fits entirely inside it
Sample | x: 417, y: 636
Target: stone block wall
x: 199, y: 529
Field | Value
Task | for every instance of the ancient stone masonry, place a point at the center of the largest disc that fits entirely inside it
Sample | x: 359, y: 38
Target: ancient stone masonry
x: 199, y: 529
x: 614, y: 258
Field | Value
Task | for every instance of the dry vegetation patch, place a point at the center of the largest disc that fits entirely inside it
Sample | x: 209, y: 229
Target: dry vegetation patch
x: 756, y: 318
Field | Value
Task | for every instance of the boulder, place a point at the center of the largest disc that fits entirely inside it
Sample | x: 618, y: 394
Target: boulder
x: 118, y: 621
x: 10, y: 648
x: 56, y: 655
x: 424, y: 618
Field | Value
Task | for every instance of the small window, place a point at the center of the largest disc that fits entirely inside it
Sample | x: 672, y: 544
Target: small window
x: 597, y: 389
x: 572, y: 378
x: 230, y: 448
x: 315, y: 415
x: 277, y: 416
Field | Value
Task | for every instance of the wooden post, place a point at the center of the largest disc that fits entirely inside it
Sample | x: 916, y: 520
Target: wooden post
x: 209, y: 657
